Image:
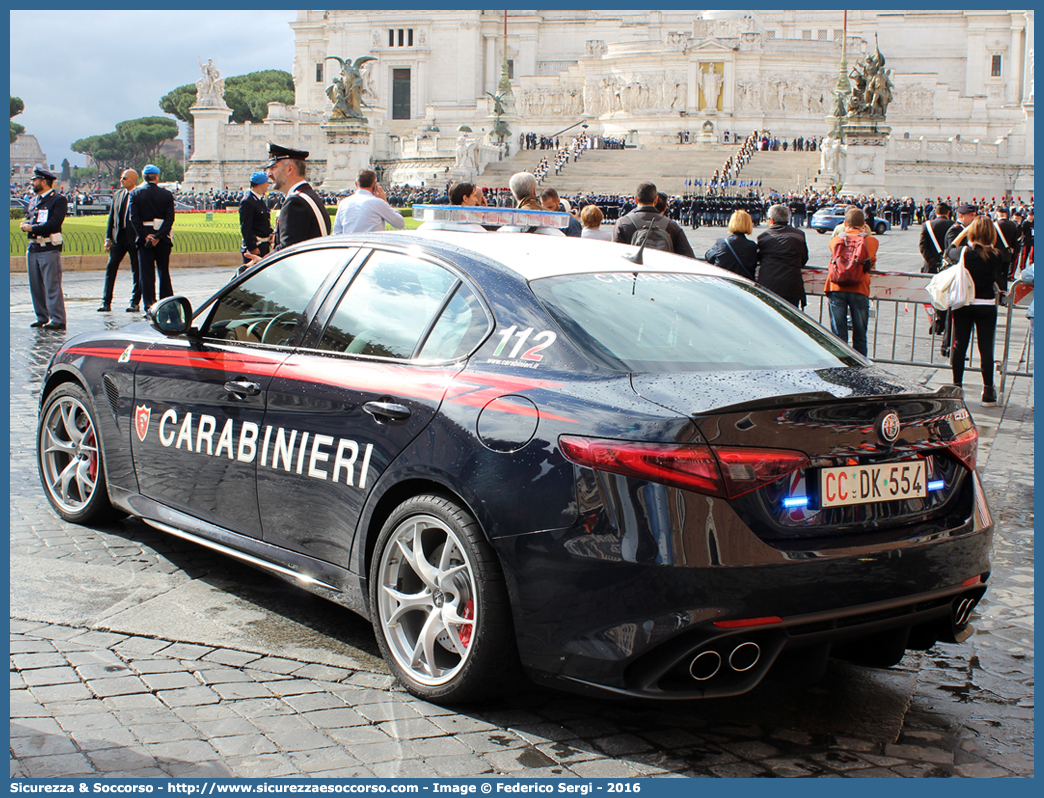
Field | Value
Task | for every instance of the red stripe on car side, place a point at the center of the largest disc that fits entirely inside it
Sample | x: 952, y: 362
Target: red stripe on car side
x: 426, y: 384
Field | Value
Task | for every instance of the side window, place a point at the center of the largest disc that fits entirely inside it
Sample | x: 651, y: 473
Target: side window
x: 388, y: 306
x: 267, y: 307
x: 460, y: 328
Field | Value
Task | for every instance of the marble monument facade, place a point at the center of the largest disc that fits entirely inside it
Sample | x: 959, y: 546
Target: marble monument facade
x: 645, y: 77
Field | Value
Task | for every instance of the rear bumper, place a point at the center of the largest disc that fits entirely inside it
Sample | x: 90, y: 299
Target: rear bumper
x: 624, y: 605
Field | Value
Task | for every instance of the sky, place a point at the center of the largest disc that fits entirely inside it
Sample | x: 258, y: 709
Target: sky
x: 116, y: 65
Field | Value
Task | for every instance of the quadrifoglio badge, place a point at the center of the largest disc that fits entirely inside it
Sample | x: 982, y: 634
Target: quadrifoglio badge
x: 142, y: 415
x: 317, y: 456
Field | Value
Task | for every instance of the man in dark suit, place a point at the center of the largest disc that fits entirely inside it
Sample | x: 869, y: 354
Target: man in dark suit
x: 939, y: 226
x: 152, y: 214
x: 1025, y: 225
x: 782, y: 252
x: 255, y: 220
x: 120, y: 241
x: 303, y: 215
x: 1008, y: 239
x: 966, y: 214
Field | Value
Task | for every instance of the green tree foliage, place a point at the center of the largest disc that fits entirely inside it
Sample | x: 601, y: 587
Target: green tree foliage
x: 82, y: 175
x: 144, y: 136
x: 178, y: 102
x: 107, y: 150
x: 17, y: 106
x: 170, y: 170
x: 133, y: 143
x: 247, y: 95
x: 66, y: 171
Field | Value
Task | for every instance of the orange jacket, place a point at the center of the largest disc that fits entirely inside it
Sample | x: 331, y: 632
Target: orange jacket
x: 863, y: 287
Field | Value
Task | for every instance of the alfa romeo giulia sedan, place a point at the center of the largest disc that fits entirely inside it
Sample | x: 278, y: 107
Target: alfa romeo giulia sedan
x: 533, y: 455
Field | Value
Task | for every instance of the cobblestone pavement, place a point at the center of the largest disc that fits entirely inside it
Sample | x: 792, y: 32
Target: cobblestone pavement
x: 308, y: 695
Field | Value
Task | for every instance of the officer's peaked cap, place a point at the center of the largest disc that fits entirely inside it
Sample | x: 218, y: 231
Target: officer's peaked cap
x: 277, y: 152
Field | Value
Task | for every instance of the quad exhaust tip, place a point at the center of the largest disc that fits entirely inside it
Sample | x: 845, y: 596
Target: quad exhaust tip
x: 707, y: 664
x: 744, y: 656
x: 963, y: 612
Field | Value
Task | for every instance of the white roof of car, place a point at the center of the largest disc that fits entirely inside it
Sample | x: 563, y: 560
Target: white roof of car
x: 534, y: 256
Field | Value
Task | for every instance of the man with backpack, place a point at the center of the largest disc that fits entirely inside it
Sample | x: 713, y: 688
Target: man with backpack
x: 655, y: 229
x: 852, y: 255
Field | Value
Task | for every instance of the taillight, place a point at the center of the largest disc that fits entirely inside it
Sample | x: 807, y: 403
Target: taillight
x: 745, y: 469
x: 965, y: 447
x: 744, y: 623
x: 724, y: 471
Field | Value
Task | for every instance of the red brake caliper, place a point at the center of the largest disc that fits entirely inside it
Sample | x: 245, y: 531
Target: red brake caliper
x: 468, y: 615
x: 92, y: 459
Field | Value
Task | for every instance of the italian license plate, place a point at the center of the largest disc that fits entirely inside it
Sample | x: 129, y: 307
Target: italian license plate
x: 872, y: 483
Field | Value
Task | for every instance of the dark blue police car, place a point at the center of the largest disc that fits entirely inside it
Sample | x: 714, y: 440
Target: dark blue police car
x: 826, y: 219
x: 529, y: 454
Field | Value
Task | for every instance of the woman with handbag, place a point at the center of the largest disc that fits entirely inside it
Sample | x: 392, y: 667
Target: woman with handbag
x: 988, y: 269
x: 737, y: 253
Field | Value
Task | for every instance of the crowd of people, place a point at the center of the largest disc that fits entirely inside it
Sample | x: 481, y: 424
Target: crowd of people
x: 992, y: 239
x: 532, y: 141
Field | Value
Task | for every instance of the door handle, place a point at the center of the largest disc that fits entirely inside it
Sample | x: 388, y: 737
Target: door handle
x: 242, y: 388
x: 388, y: 412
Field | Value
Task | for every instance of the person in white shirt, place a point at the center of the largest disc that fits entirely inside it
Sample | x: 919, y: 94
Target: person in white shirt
x: 367, y: 209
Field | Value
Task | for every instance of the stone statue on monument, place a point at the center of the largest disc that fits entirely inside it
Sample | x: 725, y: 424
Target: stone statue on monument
x: 829, y: 155
x: 462, y: 151
x: 498, y: 103
x: 210, y: 89
x: 711, y: 82
x: 872, y: 89
x: 346, y: 91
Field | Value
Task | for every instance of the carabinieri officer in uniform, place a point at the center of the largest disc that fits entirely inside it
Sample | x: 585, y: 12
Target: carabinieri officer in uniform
x: 303, y: 215
x: 152, y: 215
x: 43, y: 226
x: 255, y: 220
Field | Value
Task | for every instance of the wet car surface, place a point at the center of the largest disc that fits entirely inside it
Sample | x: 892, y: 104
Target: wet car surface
x: 516, y: 450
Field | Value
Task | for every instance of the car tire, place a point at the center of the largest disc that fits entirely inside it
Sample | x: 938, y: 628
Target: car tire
x: 821, y: 231
x: 70, y: 458
x: 880, y: 228
x: 439, y: 604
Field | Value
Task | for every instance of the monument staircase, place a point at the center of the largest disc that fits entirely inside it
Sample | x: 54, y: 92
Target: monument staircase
x: 669, y: 166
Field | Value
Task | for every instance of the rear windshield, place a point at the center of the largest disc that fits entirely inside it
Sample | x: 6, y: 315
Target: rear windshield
x: 686, y: 322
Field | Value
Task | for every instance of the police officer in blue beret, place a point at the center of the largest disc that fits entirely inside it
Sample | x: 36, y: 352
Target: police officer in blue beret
x: 152, y: 215
x: 43, y: 226
x: 303, y: 214
x: 255, y: 220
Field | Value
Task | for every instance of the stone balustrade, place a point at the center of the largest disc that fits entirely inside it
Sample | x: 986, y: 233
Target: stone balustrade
x: 950, y: 149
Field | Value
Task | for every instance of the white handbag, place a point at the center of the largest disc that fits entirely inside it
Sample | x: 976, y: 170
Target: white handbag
x: 952, y: 288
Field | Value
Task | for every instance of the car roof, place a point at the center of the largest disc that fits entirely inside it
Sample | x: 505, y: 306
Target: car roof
x: 533, y: 257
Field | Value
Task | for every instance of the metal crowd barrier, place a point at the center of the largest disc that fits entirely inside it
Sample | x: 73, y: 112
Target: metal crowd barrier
x: 901, y: 321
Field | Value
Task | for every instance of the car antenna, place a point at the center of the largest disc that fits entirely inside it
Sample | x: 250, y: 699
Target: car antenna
x: 637, y: 256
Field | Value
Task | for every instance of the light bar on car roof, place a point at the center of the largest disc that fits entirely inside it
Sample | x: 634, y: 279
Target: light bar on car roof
x: 490, y: 217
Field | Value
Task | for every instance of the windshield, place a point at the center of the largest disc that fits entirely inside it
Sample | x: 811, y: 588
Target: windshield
x: 686, y: 322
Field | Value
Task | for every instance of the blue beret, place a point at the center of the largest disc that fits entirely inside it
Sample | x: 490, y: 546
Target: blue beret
x: 150, y: 169
x: 258, y: 179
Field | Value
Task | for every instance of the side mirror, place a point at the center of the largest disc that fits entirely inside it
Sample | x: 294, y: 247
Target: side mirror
x: 172, y: 315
